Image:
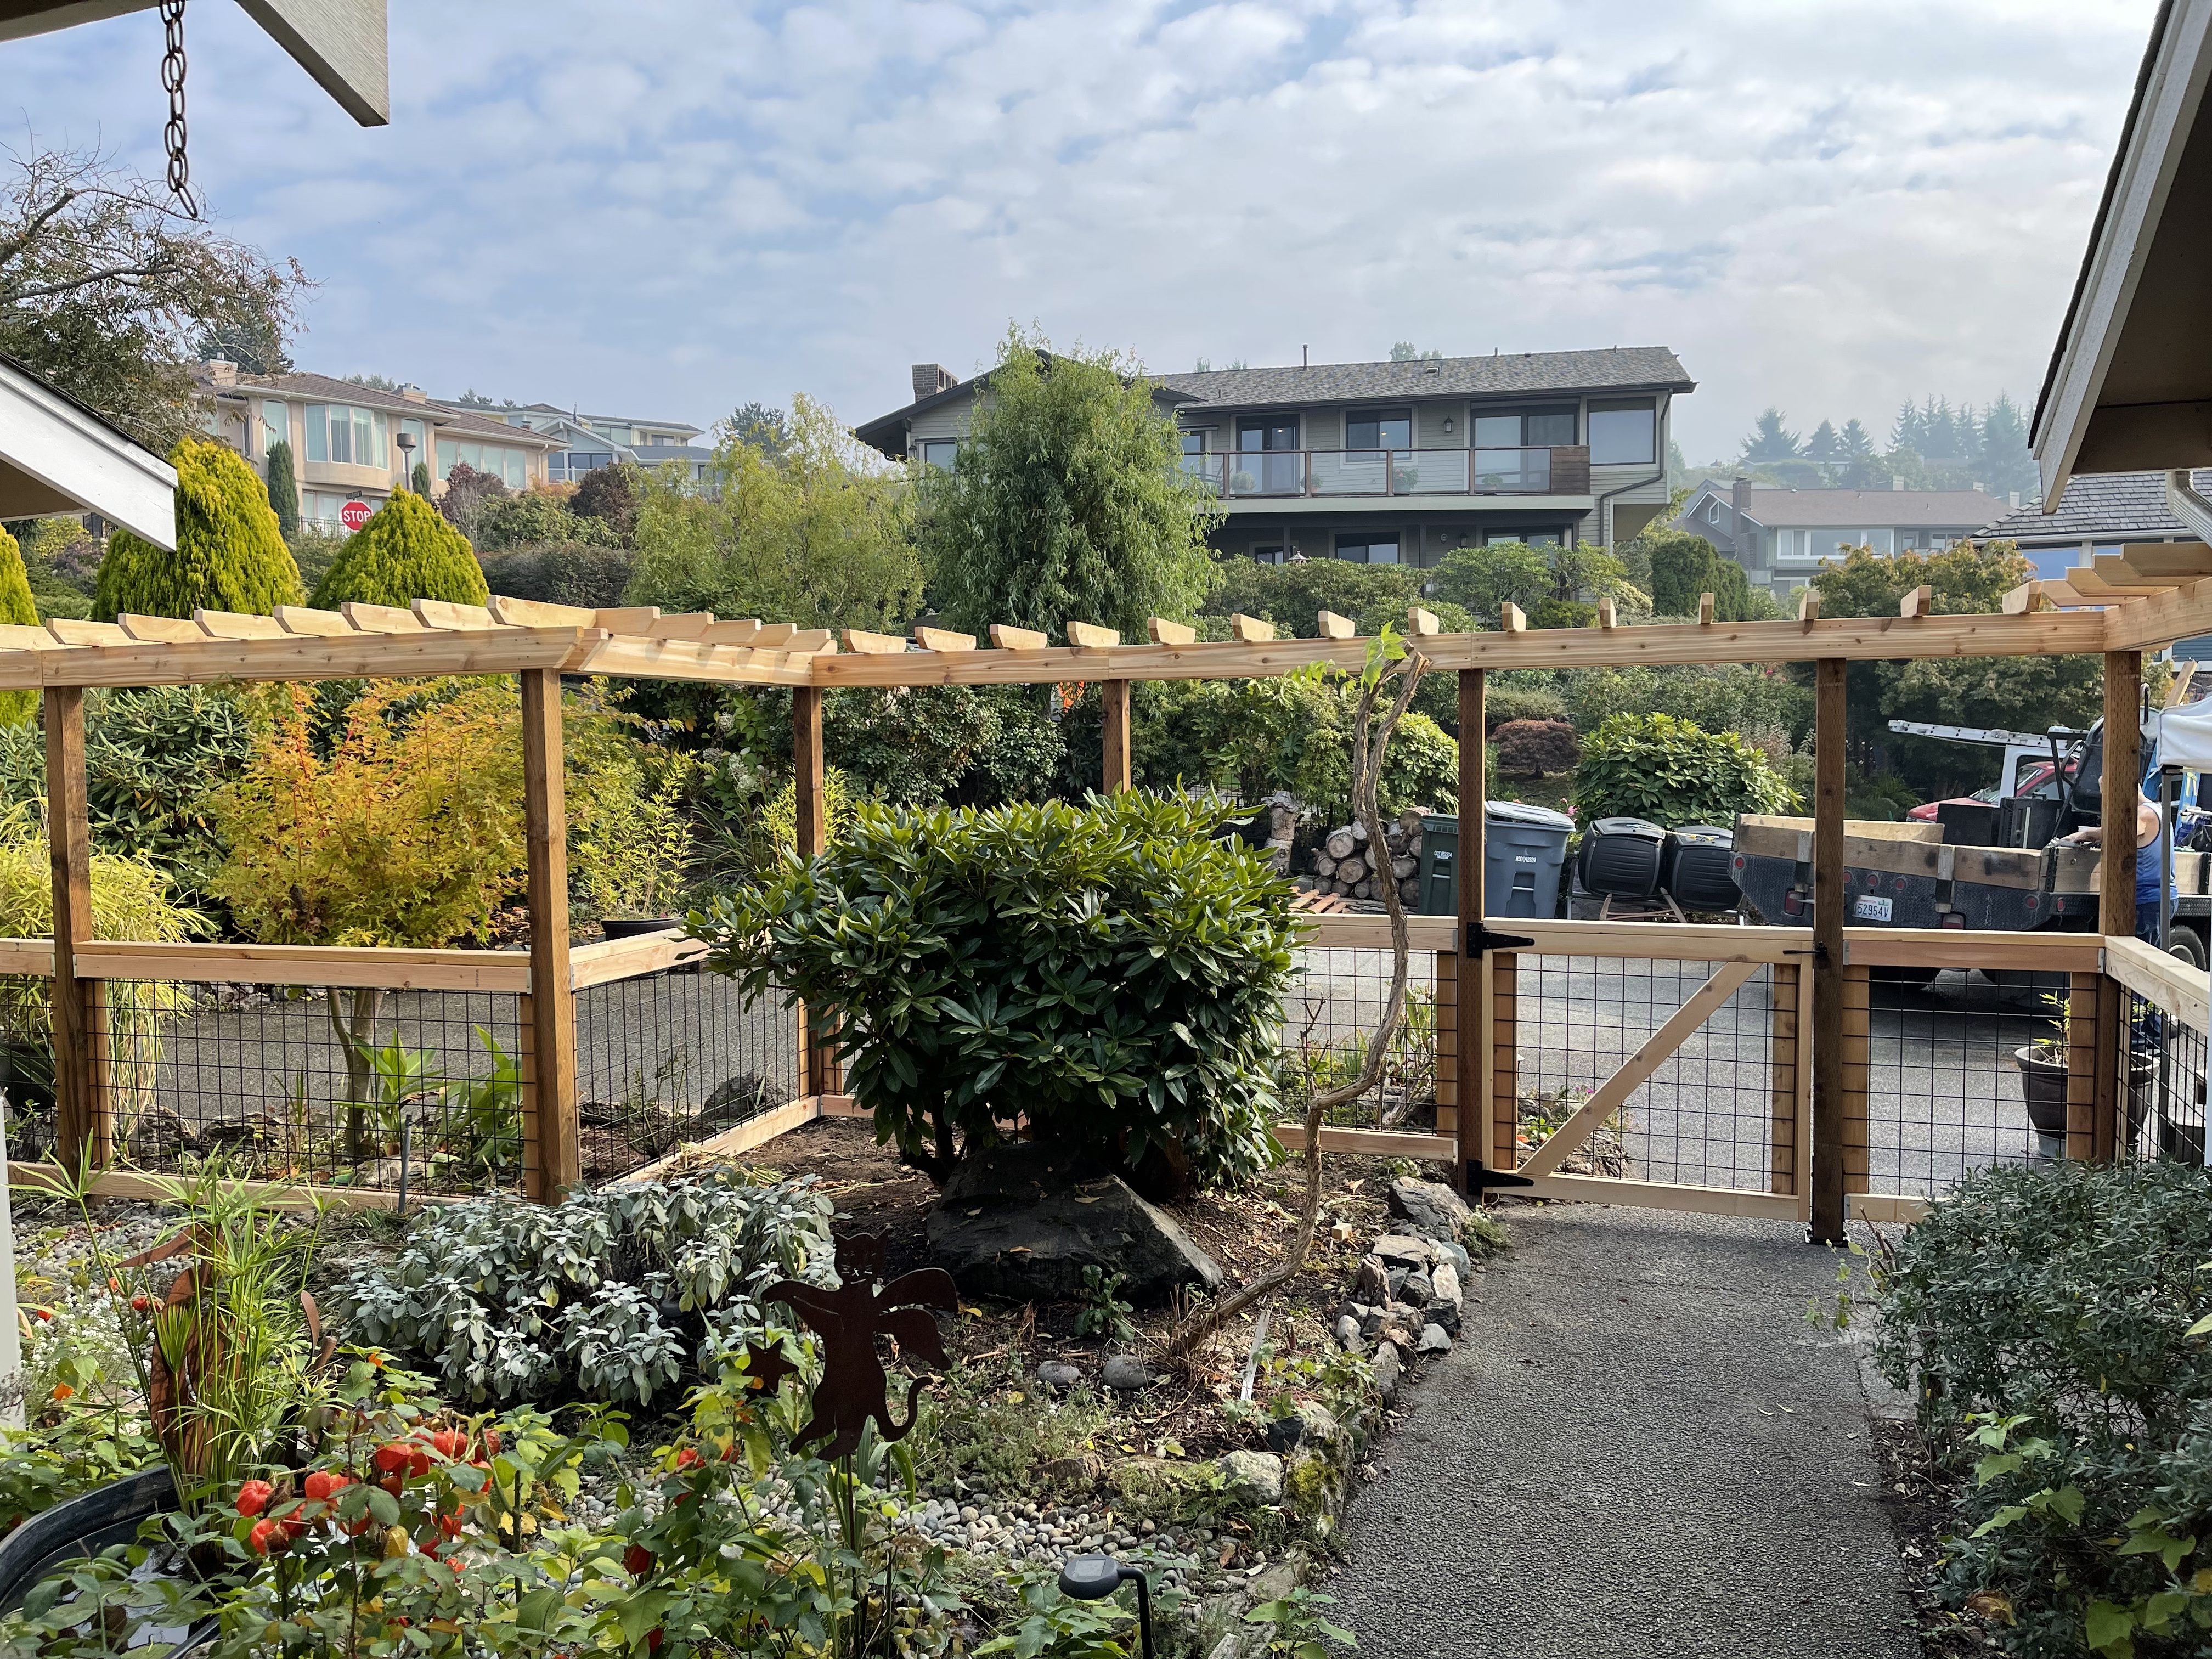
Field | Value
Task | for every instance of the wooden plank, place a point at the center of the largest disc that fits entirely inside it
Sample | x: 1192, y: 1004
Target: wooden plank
x: 1705, y: 611
x: 1114, y: 736
x: 1953, y: 947
x: 637, y: 658
x: 1900, y: 1208
x: 1658, y: 1195
x: 874, y: 645
x: 539, y: 613
x: 631, y: 958
x: 49, y: 1179
x: 1804, y: 1138
x: 303, y: 658
x: 1856, y: 1132
x: 2164, y: 561
x: 2082, y: 991
x: 1809, y: 608
x: 1250, y: 630
x: 1829, y: 901
x: 2116, y: 900
x: 32, y: 957
x: 1784, y: 1159
x: 70, y: 631
x: 1422, y: 624
x: 445, y: 613
x: 737, y: 630
x: 1634, y: 1073
x: 1916, y: 602
x: 1164, y: 632
x: 1087, y: 637
x: 1640, y: 940
x: 1447, y: 1042
x: 691, y: 625
x: 2165, y: 982
x: 1007, y: 637
x: 308, y: 965
x: 1510, y: 619
x: 1608, y: 617
x: 306, y: 620
x: 554, y: 1102
x: 812, y: 640
x: 943, y: 639
x: 1500, y: 1106
x: 382, y: 618
x: 160, y: 627
x: 2117, y: 574
x: 1373, y: 1143
x: 1334, y: 627
x: 2024, y: 600
x: 625, y: 618
x: 231, y: 625
x: 2177, y: 690
x: 775, y: 634
x: 1473, y: 985
x: 2092, y: 587
x: 20, y: 636
x: 1854, y: 639
x: 816, y: 1058
x: 752, y: 1133
x: 79, y: 1013
x: 1351, y: 931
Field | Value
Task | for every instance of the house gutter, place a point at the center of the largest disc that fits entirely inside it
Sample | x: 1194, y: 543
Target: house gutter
x: 1636, y: 483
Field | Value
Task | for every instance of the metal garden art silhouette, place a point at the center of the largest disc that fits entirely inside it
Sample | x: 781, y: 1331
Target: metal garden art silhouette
x: 854, y: 1387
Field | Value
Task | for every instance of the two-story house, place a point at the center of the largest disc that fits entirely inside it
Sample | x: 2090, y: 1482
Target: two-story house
x: 351, y: 442
x: 585, y: 443
x: 1392, y: 463
x: 1781, y: 536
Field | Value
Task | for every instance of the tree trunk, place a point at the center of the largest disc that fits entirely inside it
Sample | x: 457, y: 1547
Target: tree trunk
x: 356, y: 1035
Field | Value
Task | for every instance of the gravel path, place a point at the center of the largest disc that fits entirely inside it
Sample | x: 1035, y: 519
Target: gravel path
x: 1638, y: 1448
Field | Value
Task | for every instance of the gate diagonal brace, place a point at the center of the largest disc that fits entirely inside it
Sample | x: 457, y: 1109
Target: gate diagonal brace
x: 1637, y: 1068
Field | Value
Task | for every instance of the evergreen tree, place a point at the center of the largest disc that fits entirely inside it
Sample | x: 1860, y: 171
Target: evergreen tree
x: 1943, y: 432
x: 16, y: 606
x: 405, y: 552
x: 1909, y: 431
x: 230, y: 553
x: 1771, y: 440
x: 419, y: 480
x: 1824, y: 449
x: 283, y: 490
x: 2006, y: 463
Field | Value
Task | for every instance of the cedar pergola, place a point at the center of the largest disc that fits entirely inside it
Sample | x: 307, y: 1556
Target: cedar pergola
x: 539, y: 643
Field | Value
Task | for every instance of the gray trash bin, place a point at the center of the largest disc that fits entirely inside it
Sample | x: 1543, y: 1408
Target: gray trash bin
x: 1524, y: 847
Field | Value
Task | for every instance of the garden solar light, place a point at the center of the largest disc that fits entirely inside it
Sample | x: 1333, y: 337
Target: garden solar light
x: 1095, y: 1577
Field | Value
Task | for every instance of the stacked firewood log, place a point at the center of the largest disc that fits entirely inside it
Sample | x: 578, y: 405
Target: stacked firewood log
x: 1345, y: 865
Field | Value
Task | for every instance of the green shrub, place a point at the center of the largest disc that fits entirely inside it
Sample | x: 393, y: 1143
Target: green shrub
x: 928, y: 745
x: 283, y: 490
x: 619, y: 1294
x: 2049, y: 1322
x: 561, y: 572
x: 1535, y: 749
x: 1112, y: 972
x: 230, y: 553
x: 405, y: 552
x: 1736, y: 697
x: 17, y: 606
x: 1502, y: 704
x: 1655, y: 767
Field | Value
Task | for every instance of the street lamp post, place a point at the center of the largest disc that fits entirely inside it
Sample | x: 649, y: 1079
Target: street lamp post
x: 406, y: 442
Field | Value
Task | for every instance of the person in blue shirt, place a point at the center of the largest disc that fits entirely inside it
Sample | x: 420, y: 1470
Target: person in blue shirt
x: 2148, y: 827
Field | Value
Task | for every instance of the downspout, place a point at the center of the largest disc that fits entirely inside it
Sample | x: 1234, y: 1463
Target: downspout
x: 2186, y: 505
x: 1604, y: 519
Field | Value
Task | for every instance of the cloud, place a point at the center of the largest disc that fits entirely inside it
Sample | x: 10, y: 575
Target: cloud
x: 674, y: 207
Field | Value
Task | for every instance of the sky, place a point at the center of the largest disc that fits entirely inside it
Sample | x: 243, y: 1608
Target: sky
x: 671, y: 208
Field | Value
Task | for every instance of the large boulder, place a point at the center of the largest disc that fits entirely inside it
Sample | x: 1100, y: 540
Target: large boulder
x: 1024, y: 1221
x: 1431, y: 1208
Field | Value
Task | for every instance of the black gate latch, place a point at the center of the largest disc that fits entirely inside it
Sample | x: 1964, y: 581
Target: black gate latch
x: 1486, y: 940
x: 1477, y: 1177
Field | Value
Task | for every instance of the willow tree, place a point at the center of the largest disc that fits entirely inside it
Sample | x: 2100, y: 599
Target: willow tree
x: 1069, y: 501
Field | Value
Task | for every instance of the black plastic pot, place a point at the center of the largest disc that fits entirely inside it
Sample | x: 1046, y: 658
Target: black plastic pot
x: 615, y: 928
x: 83, y: 1526
x: 2043, y: 1081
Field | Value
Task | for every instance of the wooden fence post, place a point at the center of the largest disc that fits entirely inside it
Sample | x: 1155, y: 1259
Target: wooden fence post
x: 1829, y: 900
x: 1504, y: 1062
x: 1476, y: 1106
x: 1786, y: 1154
x: 1447, y: 1059
x: 2116, y: 898
x: 82, y: 1119
x: 1114, y: 735
x: 818, y: 1067
x: 551, y: 1007
x: 2084, y: 993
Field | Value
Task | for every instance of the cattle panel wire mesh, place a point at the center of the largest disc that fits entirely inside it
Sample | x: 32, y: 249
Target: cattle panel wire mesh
x: 1329, y: 1015
x: 673, y: 1057
x: 1704, y: 1118
x: 259, y: 1078
x: 2164, y: 1089
x: 1944, y: 1093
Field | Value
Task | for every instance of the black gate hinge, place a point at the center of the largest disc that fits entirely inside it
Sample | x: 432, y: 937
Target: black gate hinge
x: 1484, y: 941
x: 1478, y: 1178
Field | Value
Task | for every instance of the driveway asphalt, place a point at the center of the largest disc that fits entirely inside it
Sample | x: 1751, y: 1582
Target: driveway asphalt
x: 1638, y: 1447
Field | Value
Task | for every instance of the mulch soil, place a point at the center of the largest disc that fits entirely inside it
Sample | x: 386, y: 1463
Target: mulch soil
x: 1245, y: 1232
x: 1917, y: 1497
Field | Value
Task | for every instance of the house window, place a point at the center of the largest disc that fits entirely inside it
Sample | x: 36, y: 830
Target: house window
x: 275, y: 426
x: 344, y: 436
x: 1543, y: 427
x: 1378, y: 428
x: 1713, y: 511
x: 510, y: 466
x: 1268, y: 552
x: 1622, y: 434
x: 1368, y: 547
x: 1194, y: 443
x: 1544, y: 538
x: 941, y: 453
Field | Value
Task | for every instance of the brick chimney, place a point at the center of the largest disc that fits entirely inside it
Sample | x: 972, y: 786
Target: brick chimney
x: 1739, y: 515
x: 930, y: 379
x: 222, y: 371
x: 414, y: 394
x: 1896, y: 481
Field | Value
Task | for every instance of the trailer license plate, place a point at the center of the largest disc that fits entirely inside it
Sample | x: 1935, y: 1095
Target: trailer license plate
x: 1871, y: 907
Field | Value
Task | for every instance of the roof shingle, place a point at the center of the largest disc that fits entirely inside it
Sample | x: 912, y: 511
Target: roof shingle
x: 1622, y: 367
x: 2100, y: 504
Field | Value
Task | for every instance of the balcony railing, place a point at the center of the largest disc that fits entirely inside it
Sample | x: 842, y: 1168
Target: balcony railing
x: 1242, y: 474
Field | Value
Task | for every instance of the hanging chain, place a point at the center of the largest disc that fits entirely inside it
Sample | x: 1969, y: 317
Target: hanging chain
x: 173, y: 82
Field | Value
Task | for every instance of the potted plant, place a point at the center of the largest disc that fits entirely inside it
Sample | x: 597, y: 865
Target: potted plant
x: 2043, y: 1077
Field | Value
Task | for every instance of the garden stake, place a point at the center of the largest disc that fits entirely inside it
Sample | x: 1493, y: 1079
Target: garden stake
x: 406, y: 1134
x: 1252, y: 1360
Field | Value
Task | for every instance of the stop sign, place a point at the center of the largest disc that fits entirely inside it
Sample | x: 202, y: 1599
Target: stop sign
x: 354, y: 514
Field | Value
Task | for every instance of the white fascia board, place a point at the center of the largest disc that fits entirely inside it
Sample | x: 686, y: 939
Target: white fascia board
x: 49, y: 440
x: 1306, y: 506
x: 2171, y: 102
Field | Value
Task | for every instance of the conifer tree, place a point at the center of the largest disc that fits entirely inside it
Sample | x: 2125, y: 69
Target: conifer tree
x: 283, y: 490
x: 17, y: 606
x: 405, y: 552
x: 230, y: 554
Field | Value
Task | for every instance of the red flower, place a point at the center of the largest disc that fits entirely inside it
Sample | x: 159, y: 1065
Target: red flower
x: 418, y: 1462
x: 254, y: 1497
x: 652, y: 1639
x: 392, y: 1456
x: 637, y: 1560
x: 450, y: 1525
x: 324, y: 1485
x: 688, y: 1458
x: 449, y: 1443
x: 140, y: 1303
x: 266, y: 1535
x: 491, y: 1441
